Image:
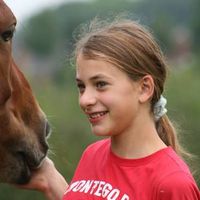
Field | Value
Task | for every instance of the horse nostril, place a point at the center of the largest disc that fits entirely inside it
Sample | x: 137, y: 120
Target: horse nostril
x: 47, y: 129
x: 30, y: 160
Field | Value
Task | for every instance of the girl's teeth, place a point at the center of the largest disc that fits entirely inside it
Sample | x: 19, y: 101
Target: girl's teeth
x: 96, y: 115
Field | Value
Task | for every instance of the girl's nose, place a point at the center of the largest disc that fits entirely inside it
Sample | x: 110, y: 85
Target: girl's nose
x: 87, y: 99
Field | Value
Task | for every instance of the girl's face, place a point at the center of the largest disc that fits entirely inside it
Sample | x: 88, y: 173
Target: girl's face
x: 108, y: 97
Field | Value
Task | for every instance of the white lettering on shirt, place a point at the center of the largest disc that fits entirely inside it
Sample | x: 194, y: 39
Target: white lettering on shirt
x: 125, y: 197
x: 113, y: 194
x: 86, y: 187
x: 106, y: 189
x: 97, y: 188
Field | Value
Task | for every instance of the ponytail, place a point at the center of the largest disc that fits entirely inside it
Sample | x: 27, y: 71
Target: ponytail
x: 169, y: 136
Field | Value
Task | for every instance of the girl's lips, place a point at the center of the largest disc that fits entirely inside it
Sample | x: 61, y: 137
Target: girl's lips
x: 96, y: 116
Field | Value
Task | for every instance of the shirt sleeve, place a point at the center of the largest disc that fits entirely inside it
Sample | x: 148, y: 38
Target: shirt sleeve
x: 178, y: 186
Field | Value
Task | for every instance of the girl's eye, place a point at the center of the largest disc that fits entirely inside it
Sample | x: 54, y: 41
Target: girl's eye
x: 101, y: 84
x: 81, y: 87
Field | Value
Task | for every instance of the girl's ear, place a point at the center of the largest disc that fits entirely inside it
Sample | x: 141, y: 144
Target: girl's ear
x: 146, y: 88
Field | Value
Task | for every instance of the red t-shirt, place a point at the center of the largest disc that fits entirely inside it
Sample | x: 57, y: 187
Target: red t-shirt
x: 103, y: 175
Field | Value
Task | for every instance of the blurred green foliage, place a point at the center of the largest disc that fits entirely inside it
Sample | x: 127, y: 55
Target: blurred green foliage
x: 50, y: 35
x: 53, y: 27
x: 184, y: 104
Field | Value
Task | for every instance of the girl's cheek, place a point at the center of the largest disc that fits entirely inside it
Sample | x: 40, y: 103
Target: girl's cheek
x: 107, y: 100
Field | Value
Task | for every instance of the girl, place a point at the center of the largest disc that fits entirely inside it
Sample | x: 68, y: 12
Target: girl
x: 120, y: 75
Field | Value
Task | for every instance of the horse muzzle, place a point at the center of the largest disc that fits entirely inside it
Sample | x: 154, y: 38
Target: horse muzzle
x: 23, y: 154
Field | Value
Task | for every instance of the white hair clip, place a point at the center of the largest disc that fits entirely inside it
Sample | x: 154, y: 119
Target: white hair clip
x: 159, y: 108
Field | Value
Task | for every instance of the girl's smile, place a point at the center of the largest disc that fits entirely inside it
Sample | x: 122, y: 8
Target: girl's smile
x: 96, y: 117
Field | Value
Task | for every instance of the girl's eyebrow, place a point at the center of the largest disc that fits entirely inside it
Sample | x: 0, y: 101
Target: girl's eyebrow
x: 97, y: 76
x: 93, y: 78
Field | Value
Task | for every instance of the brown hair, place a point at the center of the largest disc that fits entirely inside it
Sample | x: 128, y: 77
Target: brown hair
x: 132, y: 48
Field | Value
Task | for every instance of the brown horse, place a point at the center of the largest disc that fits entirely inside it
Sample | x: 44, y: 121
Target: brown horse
x: 23, y: 125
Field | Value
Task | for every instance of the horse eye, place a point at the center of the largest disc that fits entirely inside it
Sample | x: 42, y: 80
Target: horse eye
x: 8, y: 34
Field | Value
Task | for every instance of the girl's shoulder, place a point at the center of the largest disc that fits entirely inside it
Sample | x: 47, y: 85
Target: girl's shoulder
x: 98, y: 145
x: 175, y: 179
x: 98, y: 148
x: 174, y: 163
x: 178, y: 185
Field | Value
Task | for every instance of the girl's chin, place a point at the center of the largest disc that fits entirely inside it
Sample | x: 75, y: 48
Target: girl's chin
x: 99, y: 132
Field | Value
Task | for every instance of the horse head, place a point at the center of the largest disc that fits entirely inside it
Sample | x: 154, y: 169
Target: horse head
x: 23, y: 125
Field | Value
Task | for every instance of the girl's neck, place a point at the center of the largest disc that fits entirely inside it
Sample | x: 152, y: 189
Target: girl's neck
x: 137, y: 142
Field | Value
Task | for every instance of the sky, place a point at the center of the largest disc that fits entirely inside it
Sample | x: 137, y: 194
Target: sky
x: 25, y: 8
